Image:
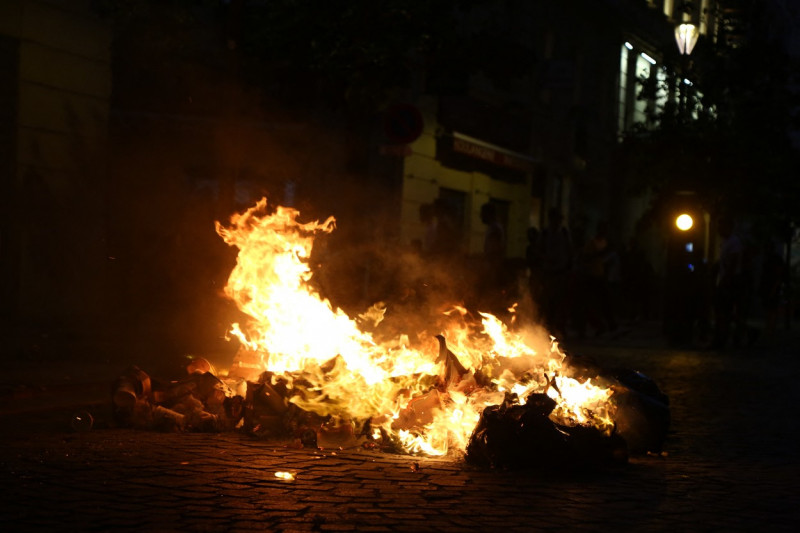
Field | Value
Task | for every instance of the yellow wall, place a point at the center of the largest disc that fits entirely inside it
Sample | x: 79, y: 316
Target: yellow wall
x: 424, y: 175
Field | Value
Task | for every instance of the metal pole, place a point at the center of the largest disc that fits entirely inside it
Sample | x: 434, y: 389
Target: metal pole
x: 788, y: 311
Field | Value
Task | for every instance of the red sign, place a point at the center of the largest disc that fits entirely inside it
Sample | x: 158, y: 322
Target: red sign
x: 402, y: 123
x: 491, y: 155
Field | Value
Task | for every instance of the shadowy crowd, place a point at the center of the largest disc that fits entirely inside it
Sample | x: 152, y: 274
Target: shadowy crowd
x: 575, y: 283
x: 571, y: 284
x: 584, y: 284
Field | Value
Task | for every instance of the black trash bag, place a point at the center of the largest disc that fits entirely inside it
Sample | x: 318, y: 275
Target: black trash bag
x: 513, y: 436
x: 633, y: 379
x: 642, y: 412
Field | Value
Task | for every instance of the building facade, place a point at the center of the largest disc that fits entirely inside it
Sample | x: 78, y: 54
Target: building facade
x: 55, y: 86
x: 546, y: 140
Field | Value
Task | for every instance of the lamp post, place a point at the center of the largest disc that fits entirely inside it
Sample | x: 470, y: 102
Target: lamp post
x: 686, y: 35
x: 685, y: 272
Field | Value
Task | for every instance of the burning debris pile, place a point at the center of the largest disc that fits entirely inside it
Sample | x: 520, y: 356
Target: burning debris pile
x: 308, y: 373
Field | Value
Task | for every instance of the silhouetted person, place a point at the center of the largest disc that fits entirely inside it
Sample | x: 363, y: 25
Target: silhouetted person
x: 593, y: 305
x: 771, y: 286
x: 555, y: 249
x: 448, y: 240
x: 533, y: 262
x: 704, y: 308
x: 744, y: 332
x: 440, y: 250
x: 637, y: 281
x: 428, y: 218
x: 494, y: 242
x: 493, y: 276
x: 729, y: 288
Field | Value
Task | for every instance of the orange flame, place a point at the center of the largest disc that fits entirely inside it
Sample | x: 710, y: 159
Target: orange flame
x: 291, y: 328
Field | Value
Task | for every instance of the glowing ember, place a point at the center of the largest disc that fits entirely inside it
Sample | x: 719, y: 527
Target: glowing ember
x: 426, y: 397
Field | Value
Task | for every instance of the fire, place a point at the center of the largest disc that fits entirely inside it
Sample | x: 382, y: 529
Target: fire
x: 428, y: 398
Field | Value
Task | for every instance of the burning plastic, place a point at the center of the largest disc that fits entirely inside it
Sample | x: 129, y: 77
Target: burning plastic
x: 309, y: 373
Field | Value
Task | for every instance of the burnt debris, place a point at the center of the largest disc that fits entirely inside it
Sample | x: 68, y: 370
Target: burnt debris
x: 198, y: 402
x: 514, y: 436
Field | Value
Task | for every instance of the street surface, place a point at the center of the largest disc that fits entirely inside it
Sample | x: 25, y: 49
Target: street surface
x: 730, y: 465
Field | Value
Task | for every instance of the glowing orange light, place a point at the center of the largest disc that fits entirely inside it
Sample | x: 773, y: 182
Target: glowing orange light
x: 684, y: 222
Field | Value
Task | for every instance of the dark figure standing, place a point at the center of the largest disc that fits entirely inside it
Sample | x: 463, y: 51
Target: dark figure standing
x: 637, y: 281
x: 448, y: 238
x: 771, y: 287
x: 595, y: 307
x: 494, y: 242
x: 730, y: 290
x: 493, y: 279
x: 427, y: 216
x: 533, y: 262
x: 555, y: 249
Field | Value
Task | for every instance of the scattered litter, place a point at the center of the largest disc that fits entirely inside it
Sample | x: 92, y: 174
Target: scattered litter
x: 82, y: 421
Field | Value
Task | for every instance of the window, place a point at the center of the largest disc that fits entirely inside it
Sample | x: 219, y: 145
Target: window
x: 704, y: 15
x: 643, y: 71
x: 623, y: 87
x: 636, y: 66
x: 451, y: 206
x: 662, y: 91
x: 669, y: 6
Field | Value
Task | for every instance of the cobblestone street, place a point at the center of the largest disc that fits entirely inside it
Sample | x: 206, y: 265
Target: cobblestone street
x: 729, y: 466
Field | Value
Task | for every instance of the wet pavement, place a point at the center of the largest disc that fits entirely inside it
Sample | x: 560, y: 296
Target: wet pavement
x: 730, y: 464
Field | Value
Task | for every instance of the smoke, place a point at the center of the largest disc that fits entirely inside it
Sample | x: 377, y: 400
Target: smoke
x: 418, y: 291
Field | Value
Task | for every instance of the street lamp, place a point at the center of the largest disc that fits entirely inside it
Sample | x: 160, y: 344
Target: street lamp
x: 684, y: 222
x: 682, y: 276
x: 686, y: 35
